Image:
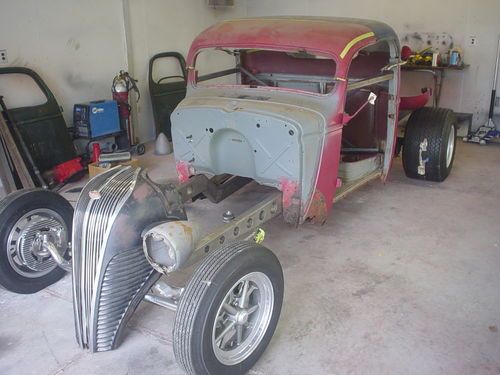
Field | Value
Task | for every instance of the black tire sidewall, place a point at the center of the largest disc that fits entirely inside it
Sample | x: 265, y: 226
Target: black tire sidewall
x: 447, y: 128
x: 433, y: 124
x: 253, y: 260
x: 12, y: 209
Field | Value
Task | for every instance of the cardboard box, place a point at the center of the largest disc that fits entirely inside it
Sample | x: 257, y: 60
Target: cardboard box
x: 95, y: 169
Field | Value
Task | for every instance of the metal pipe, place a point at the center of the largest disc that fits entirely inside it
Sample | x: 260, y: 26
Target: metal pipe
x: 496, y: 66
x: 52, y: 249
x: 161, y: 301
x: 360, y: 149
x: 494, y: 90
x: 369, y: 81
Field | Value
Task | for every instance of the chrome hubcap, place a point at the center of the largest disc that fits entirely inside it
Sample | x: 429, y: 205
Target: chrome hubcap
x: 243, y: 318
x: 25, y: 250
x: 451, y: 146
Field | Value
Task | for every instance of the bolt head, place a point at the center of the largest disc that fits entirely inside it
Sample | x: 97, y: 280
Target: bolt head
x: 227, y: 216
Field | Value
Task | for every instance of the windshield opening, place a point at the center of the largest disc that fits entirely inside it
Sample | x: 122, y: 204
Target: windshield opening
x: 299, y: 70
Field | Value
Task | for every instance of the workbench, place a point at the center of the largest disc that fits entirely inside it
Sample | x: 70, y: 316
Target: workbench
x: 438, y: 74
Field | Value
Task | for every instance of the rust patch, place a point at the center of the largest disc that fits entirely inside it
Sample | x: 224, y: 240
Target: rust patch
x: 188, y: 231
x: 291, y: 200
x: 317, y: 210
x: 182, y: 169
x: 288, y: 188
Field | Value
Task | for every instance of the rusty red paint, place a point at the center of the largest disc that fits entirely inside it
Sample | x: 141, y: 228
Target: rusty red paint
x: 182, y: 169
x: 338, y: 39
x: 326, y: 182
x: 289, y: 188
x: 320, y: 35
x: 318, y: 212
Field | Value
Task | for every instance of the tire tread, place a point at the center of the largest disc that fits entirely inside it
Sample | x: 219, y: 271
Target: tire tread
x: 430, y: 123
x: 196, y: 288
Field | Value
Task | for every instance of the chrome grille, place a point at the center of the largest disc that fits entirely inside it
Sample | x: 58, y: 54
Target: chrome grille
x: 92, y: 222
x: 124, y: 276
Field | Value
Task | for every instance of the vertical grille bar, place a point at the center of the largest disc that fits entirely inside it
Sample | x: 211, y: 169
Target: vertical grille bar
x: 92, y: 222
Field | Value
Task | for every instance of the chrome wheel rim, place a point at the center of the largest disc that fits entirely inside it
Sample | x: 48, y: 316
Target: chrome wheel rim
x: 25, y: 252
x: 451, y: 146
x: 243, y: 318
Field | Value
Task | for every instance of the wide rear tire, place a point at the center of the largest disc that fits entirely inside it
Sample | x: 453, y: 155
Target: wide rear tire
x: 429, y: 144
x: 229, y: 310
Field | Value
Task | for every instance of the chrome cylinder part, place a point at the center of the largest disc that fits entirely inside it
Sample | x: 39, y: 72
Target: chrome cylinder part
x: 162, y: 289
x: 169, y: 245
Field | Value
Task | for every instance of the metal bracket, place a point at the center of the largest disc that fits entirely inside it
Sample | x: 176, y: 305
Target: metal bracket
x: 241, y: 225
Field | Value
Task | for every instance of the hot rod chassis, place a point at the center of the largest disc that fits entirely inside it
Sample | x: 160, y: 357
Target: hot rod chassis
x: 304, y: 121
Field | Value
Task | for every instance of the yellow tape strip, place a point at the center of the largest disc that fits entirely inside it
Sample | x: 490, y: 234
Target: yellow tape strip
x: 354, y: 41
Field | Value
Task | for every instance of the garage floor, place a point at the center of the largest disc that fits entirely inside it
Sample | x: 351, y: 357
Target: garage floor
x: 403, y: 279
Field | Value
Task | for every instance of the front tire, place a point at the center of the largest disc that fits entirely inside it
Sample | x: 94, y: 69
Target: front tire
x: 229, y: 310
x: 429, y: 144
x: 25, y: 267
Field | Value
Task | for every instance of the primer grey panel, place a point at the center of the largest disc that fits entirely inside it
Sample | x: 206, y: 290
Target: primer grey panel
x: 269, y: 142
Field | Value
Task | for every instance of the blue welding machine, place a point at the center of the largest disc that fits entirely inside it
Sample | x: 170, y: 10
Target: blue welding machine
x: 96, y: 119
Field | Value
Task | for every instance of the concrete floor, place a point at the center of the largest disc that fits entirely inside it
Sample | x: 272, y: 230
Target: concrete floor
x: 403, y: 279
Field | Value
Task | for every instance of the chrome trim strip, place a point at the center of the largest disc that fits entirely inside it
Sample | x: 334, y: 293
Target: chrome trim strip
x: 92, y: 223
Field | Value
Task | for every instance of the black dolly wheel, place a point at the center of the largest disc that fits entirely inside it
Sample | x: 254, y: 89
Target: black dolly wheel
x: 25, y: 215
x: 229, y: 310
x: 140, y: 149
x: 429, y: 145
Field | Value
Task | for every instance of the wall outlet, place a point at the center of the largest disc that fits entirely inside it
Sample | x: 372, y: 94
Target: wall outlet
x: 472, y: 40
x: 3, y: 56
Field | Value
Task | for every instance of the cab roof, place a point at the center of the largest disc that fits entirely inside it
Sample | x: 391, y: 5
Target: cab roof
x: 340, y: 37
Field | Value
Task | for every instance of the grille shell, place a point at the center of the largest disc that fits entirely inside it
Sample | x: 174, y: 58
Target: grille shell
x: 110, y: 272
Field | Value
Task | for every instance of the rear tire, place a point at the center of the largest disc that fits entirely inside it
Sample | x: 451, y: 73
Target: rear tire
x: 435, y: 130
x: 229, y: 310
x: 24, y: 268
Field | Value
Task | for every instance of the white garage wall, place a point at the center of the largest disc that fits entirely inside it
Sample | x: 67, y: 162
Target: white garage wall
x: 464, y: 92
x: 76, y: 46
x: 159, y: 26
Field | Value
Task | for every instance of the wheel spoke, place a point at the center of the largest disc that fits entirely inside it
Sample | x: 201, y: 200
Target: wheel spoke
x: 252, y: 289
x: 230, y: 309
x: 239, y: 334
x: 224, y: 332
x: 244, y: 294
x: 238, y: 329
x: 252, y: 309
